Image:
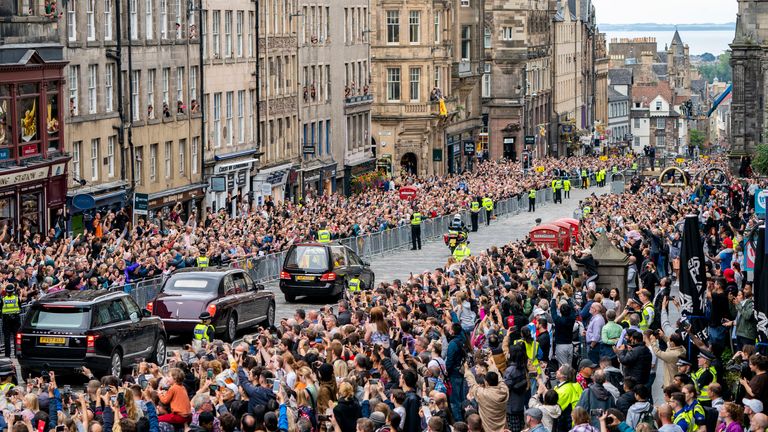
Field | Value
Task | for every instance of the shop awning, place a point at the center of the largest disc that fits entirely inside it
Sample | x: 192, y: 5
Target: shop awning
x: 276, y: 175
x: 235, y: 155
x: 178, y: 190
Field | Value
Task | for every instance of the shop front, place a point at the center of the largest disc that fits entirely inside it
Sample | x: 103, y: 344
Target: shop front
x: 189, y: 198
x: 359, y: 176
x: 231, y: 180
x: 32, y: 199
x: 271, y: 182
x: 318, y: 178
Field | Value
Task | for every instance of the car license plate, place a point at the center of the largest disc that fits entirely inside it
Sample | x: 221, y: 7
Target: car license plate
x: 305, y: 278
x: 53, y: 340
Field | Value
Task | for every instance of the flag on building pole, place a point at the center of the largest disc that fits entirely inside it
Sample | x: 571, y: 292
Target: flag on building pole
x: 761, y: 284
x: 693, y: 277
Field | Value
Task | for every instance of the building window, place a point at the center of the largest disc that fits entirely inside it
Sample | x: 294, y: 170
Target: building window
x: 251, y: 114
x: 94, y: 159
x: 72, y: 20
x: 108, y: 87
x: 193, y: 155
x: 228, y: 127
x: 637, y: 123
x: 140, y: 165
x: 107, y: 19
x: 660, y: 123
x: 437, y: 27
x: 151, y: 94
x: 134, y: 6
x: 239, y: 31
x: 658, y: 105
x: 464, y: 3
x: 168, y: 151
x: 163, y: 19
x: 74, y: 98
x: 414, y: 26
x: 438, y: 77
x: 193, y: 84
x: 217, y: 120
x: 241, y: 116
x: 91, y: 89
x: 486, y: 37
x: 228, y: 33
x: 77, y: 150
x: 393, y: 26
x: 486, y: 88
x: 414, y: 78
x: 180, y: 90
x: 135, y: 116
x: 149, y: 25
x: 660, y: 141
x: 251, y: 24
x: 393, y: 84
x: 215, y: 31
x: 182, y: 156
x: 111, y: 155
x: 466, y: 41
x: 166, y: 84
x: 153, y: 162
x: 179, y: 19
x: 90, y: 15
x: 507, y: 33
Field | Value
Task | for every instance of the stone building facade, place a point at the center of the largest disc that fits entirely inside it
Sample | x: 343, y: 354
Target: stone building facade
x: 749, y: 61
x: 414, y: 52
x: 518, y: 81
x: 161, y: 149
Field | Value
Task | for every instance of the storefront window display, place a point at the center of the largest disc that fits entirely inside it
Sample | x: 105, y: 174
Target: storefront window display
x: 30, y: 120
x: 7, y: 212
x: 31, y: 212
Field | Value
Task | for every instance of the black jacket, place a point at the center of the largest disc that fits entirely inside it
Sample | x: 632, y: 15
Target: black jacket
x: 563, y: 324
x: 412, y: 405
x: 625, y: 401
x: 346, y: 413
x: 637, y: 363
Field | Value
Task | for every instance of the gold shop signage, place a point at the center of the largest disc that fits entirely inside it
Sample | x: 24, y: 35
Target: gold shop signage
x: 24, y: 176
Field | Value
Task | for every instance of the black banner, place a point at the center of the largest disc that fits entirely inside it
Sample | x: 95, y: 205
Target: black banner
x: 760, y: 284
x: 693, y: 277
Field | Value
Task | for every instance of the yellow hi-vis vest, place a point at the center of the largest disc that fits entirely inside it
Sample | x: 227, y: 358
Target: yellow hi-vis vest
x: 553, y: 186
x: 460, y: 252
x: 568, y: 394
x: 4, y: 387
x: 558, y: 184
x: 323, y: 236
x: 646, y: 316
x: 532, y: 194
x: 354, y: 284
x: 11, y: 305
x: 202, y: 261
x: 201, y: 332
x: 475, y: 207
x: 567, y: 185
x: 532, y: 352
x: 704, y: 390
x: 416, y: 219
x: 488, y: 204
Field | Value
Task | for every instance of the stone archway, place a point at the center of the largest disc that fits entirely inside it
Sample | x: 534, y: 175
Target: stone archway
x: 409, y: 163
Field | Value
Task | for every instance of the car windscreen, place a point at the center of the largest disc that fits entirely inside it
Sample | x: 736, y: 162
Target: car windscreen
x: 307, y: 258
x: 45, y: 317
x: 190, y: 283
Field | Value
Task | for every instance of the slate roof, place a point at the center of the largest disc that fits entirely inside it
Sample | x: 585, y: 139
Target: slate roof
x: 620, y: 76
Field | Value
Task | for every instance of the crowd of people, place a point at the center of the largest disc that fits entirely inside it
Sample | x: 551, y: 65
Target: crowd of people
x: 111, y: 252
x: 518, y: 337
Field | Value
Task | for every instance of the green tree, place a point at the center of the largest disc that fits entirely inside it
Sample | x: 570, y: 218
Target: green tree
x: 721, y: 69
x: 696, y: 138
x: 760, y: 161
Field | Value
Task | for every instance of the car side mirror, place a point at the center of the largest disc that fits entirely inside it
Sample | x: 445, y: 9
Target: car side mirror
x: 259, y: 287
x: 145, y: 313
x: 366, y: 263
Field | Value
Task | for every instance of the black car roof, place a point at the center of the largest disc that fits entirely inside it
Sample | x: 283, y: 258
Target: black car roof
x: 80, y: 297
x: 208, y: 271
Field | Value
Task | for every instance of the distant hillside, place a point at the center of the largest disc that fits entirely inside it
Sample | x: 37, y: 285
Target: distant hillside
x: 667, y: 27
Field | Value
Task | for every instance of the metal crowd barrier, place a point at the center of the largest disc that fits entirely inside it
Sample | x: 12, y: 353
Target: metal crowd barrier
x: 267, y: 268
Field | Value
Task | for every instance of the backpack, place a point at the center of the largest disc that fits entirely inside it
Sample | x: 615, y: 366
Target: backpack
x: 647, y: 418
x: 710, y: 417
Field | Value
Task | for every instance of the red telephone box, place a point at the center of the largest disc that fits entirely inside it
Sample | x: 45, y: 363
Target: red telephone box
x: 551, y: 235
x: 574, y: 223
x: 565, y: 230
x: 408, y: 193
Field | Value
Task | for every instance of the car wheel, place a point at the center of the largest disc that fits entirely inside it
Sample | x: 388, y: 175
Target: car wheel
x: 116, y: 364
x: 290, y: 298
x: 159, y: 356
x: 270, y: 321
x: 231, y: 327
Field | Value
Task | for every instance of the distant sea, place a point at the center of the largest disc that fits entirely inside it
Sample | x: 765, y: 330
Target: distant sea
x: 699, y: 41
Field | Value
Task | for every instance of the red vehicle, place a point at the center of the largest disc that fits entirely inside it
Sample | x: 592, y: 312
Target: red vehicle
x: 574, y: 223
x: 229, y: 295
x: 551, y: 235
x: 452, y: 240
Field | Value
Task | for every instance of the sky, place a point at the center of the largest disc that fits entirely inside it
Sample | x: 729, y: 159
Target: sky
x: 665, y: 11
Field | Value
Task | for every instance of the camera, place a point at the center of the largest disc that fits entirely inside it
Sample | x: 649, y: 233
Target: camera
x: 597, y: 412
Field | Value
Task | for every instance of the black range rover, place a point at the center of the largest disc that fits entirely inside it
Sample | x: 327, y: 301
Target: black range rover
x: 102, y: 330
